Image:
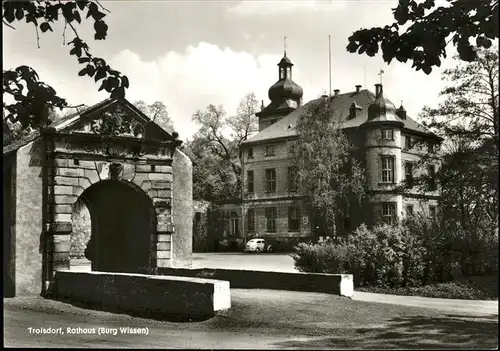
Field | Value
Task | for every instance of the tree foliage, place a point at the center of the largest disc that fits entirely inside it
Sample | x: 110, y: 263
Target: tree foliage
x: 328, y: 171
x: 34, y: 99
x: 157, y: 112
x: 215, y: 149
x: 470, y: 101
x: 468, y: 118
x: 422, y: 30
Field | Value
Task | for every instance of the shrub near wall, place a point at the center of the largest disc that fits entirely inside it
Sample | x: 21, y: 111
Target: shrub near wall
x: 418, y: 252
x: 374, y: 257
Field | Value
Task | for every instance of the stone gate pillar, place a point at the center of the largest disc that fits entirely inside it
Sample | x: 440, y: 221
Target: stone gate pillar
x: 58, y: 198
x: 156, y: 181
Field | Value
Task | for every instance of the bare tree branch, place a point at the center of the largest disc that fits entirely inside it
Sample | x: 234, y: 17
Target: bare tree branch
x: 105, y: 9
x: 8, y: 25
x: 37, y: 36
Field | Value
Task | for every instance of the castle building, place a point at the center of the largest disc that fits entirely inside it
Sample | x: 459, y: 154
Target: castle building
x: 389, y: 144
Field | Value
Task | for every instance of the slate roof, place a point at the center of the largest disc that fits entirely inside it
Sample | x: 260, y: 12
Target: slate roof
x: 285, y: 61
x: 276, y: 106
x: 285, y: 127
x: 285, y: 89
x: 69, y: 121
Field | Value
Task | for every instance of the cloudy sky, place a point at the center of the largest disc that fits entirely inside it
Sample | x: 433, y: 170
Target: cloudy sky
x: 189, y: 54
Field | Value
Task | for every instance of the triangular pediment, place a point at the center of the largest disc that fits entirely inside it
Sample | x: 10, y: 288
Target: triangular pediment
x: 116, y: 117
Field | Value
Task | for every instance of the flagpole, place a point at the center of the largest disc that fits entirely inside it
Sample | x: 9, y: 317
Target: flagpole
x: 330, y: 64
x: 365, y: 77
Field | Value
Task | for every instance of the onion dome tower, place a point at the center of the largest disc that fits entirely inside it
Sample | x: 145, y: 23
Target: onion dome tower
x: 285, y: 88
x: 285, y: 95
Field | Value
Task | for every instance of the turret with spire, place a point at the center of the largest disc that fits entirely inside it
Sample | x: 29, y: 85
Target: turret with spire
x: 382, y: 110
x: 285, y: 94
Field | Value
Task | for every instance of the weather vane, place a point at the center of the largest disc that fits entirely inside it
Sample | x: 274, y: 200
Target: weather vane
x: 284, y: 43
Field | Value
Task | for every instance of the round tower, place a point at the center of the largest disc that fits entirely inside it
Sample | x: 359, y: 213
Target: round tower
x: 382, y: 131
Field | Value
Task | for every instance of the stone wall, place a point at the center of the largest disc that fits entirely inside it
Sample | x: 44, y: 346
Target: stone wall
x: 338, y: 284
x: 144, y: 295
x: 28, y: 219
x: 39, y: 230
x: 72, y: 176
x: 182, y: 207
x: 9, y: 239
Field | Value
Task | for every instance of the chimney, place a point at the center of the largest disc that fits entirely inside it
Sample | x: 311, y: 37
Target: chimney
x: 358, y: 88
x: 324, y: 97
x: 336, y: 91
x: 262, y: 106
x: 378, y: 89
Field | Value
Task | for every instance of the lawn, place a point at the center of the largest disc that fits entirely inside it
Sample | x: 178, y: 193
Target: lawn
x: 469, y: 288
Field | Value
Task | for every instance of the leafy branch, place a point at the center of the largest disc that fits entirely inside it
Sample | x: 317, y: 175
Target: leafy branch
x: 30, y: 109
x: 425, y: 40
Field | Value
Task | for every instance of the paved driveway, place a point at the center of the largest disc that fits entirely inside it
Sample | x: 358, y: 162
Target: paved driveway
x: 277, y: 262
x: 284, y: 263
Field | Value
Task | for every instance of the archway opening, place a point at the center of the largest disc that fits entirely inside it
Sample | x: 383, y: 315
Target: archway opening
x: 122, y: 223
x: 80, y: 236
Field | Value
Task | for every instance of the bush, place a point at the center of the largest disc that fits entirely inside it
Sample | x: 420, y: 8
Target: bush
x: 374, y: 257
x: 377, y: 255
x: 418, y: 252
x: 323, y: 257
x: 471, y: 288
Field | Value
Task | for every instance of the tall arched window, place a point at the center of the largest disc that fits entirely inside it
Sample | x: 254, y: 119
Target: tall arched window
x: 233, y: 224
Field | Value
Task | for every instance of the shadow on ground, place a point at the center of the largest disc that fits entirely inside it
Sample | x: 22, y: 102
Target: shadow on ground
x: 412, y: 332
x: 262, y: 318
x: 162, y: 317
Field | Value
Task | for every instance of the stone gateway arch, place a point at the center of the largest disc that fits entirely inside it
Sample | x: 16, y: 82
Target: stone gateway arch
x: 129, y: 173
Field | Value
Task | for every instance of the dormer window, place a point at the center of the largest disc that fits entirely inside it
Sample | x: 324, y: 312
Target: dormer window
x: 388, y: 134
x: 353, y: 110
x: 401, y: 112
x: 430, y: 147
x: 352, y: 113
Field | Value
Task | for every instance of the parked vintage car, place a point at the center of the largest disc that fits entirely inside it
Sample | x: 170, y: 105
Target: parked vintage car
x: 258, y: 245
